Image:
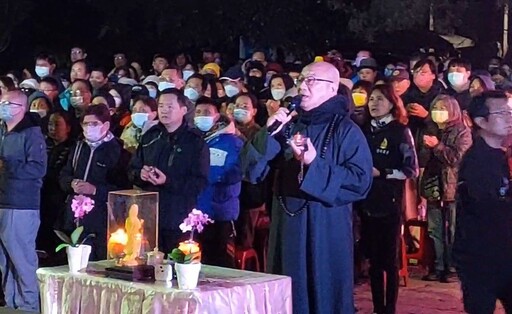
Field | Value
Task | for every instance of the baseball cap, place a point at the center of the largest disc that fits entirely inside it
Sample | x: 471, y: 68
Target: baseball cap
x: 233, y: 74
x: 400, y: 75
x: 368, y: 63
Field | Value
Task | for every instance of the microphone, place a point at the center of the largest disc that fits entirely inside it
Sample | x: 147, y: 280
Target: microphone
x: 292, y: 106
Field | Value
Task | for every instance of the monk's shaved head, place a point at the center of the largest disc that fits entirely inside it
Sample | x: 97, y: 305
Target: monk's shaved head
x: 319, y: 82
x: 327, y: 71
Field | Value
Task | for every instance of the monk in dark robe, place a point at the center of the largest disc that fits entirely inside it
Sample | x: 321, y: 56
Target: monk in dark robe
x: 323, y: 165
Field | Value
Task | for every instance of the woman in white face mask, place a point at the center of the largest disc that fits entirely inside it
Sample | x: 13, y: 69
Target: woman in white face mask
x: 195, y: 87
x: 245, y: 109
x: 41, y: 106
x: 439, y: 181
x: 281, y: 89
x: 144, y: 113
x: 95, y: 166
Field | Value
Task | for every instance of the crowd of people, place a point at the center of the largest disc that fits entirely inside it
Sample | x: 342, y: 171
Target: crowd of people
x: 230, y: 142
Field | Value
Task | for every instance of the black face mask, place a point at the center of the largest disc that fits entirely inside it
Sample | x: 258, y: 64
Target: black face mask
x: 256, y: 83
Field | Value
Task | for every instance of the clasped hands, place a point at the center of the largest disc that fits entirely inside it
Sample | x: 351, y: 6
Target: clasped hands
x: 152, y: 175
x: 83, y: 187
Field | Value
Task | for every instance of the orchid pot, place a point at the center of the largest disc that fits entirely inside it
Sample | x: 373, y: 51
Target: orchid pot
x: 78, y: 253
x: 78, y: 257
x: 188, y: 275
x: 187, y: 257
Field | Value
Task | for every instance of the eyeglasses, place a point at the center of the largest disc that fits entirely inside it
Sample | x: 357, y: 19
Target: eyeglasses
x: 91, y: 124
x: 504, y: 113
x: 310, y: 80
x: 9, y: 103
x: 76, y: 52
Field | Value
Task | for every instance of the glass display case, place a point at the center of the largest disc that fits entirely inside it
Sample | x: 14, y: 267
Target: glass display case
x: 132, y: 226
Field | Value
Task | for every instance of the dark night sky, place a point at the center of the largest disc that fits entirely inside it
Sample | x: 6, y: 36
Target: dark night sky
x: 56, y: 25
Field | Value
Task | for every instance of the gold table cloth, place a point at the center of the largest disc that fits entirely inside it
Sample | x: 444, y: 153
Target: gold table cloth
x: 220, y: 290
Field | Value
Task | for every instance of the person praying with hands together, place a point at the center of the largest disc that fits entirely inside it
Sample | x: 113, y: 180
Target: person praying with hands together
x: 173, y: 160
x: 96, y: 165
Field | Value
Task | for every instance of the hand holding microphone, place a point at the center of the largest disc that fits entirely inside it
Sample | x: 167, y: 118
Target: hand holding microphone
x: 276, y: 122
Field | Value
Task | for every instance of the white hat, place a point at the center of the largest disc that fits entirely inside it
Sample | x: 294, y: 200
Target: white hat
x: 127, y: 81
x: 29, y: 83
x: 151, y: 78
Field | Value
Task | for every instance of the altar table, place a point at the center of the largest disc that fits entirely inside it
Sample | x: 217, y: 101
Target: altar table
x: 220, y: 290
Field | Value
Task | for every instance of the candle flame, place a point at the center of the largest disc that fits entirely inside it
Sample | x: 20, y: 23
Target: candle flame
x: 119, y: 236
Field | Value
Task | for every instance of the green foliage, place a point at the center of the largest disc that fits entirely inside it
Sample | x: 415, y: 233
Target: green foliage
x: 76, y: 235
x: 179, y: 257
x: 73, y: 240
x: 61, y: 246
x: 64, y: 237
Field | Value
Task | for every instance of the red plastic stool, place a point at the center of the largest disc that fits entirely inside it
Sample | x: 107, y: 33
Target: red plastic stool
x: 403, y: 272
x: 242, y: 256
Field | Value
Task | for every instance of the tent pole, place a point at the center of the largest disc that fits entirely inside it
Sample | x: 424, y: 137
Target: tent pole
x: 505, y: 29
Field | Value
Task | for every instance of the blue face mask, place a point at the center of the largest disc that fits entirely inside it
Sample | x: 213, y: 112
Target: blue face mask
x: 204, y: 123
x: 187, y: 74
x: 456, y: 79
x: 231, y: 90
x: 165, y: 85
x: 42, y: 71
x: 191, y: 94
x: 152, y: 93
x: 241, y: 115
x: 7, y: 112
x: 139, y: 118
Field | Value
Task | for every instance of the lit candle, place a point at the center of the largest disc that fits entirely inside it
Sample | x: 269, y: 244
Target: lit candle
x: 189, y: 247
x: 117, y: 242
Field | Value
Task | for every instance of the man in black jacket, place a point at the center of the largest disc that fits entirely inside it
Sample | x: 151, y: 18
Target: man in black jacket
x: 174, y: 160
x: 22, y: 168
x: 483, y: 236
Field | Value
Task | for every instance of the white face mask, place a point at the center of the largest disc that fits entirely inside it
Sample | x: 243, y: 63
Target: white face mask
x: 41, y: 112
x: 165, y: 85
x: 93, y: 133
x: 191, y: 94
x: 439, y: 116
x: 456, y: 79
x: 204, y: 123
x: 278, y: 93
x: 42, y: 71
x: 231, y: 90
x: 139, y: 118
x: 187, y: 74
x: 241, y: 115
x: 152, y: 92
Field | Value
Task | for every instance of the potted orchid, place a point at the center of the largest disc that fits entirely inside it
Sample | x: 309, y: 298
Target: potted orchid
x: 187, y: 256
x: 78, y: 253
